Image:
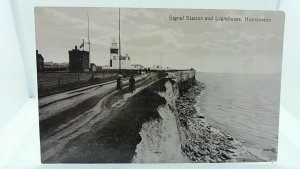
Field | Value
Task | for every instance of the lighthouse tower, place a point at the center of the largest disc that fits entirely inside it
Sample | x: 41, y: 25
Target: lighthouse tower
x: 114, y: 55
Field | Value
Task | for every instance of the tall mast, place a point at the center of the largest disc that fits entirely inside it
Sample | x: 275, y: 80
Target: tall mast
x: 82, y: 44
x: 120, y: 56
x: 89, y: 43
x: 160, y: 59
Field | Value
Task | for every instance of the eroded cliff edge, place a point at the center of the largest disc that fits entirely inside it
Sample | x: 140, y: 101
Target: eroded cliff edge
x: 180, y: 132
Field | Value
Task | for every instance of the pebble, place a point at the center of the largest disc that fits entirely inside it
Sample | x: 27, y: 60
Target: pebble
x: 230, y: 138
x: 216, y: 142
x: 219, y: 160
x: 230, y: 151
x: 226, y: 157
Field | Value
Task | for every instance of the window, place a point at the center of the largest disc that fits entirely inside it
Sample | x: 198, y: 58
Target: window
x: 115, y: 51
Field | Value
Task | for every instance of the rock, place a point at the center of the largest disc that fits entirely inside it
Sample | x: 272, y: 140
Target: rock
x: 230, y: 138
x: 207, y: 150
x: 226, y: 157
x: 202, y: 152
x: 207, y: 158
x: 187, y: 148
x: 232, y: 147
x: 219, y: 160
x: 212, y: 160
x: 230, y: 150
x: 223, y: 158
x: 197, y: 155
x: 214, y: 151
x: 216, y: 142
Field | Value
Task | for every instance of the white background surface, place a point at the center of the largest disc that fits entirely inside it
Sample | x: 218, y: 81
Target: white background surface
x: 19, y: 132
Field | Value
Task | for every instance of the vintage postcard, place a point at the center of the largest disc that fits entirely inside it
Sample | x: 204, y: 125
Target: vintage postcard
x: 129, y: 85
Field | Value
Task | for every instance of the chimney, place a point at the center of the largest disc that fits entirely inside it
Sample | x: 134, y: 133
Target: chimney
x: 76, y: 47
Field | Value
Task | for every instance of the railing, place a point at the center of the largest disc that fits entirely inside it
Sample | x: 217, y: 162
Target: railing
x: 48, y: 81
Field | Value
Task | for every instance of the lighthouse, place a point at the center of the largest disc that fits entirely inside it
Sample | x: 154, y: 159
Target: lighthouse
x: 115, y: 58
x: 117, y: 61
x: 114, y: 55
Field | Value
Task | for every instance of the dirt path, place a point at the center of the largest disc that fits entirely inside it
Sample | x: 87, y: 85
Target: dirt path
x: 90, y: 131
x: 53, y: 105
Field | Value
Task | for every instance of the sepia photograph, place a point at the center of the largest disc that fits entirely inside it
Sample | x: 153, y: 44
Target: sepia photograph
x: 158, y: 85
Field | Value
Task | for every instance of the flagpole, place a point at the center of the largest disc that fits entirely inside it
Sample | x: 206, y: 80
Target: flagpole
x: 119, y: 78
x: 160, y: 59
x: 120, y: 56
x: 82, y: 44
x: 89, y: 35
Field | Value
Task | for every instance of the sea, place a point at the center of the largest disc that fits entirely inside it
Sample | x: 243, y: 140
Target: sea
x: 245, y: 106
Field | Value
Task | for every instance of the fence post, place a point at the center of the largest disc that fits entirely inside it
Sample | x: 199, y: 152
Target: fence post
x: 92, y: 77
x: 58, y: 80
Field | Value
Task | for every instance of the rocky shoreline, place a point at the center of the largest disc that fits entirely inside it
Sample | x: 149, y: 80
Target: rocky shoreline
x: 181, y: 132
x: 202, y: 142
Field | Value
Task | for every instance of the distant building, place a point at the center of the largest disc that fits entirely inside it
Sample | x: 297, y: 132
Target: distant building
x: 106, y: 67
x: 93, y: 67
x: 99, y: 68
x: 137, y: 66
x: 79, y: 61
x: 55, y: 67
x: 157, y: 67
x: 115, y: 58
x: 39, y: 61
x: 126, y: 62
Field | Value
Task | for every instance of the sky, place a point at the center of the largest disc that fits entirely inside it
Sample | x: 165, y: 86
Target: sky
x: 146, y: 34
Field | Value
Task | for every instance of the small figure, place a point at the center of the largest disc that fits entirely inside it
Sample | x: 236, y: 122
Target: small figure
x: 119, y: 82
x: 131, y: 84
